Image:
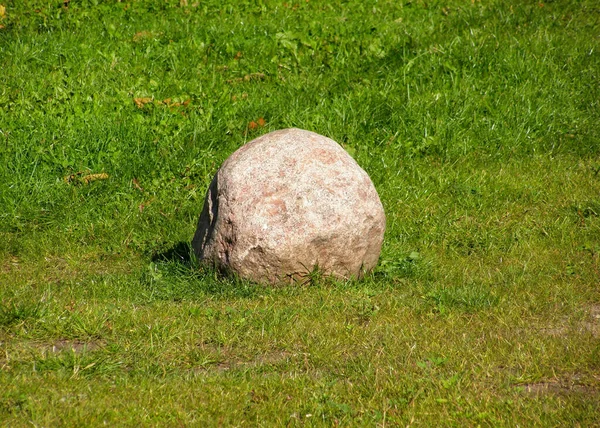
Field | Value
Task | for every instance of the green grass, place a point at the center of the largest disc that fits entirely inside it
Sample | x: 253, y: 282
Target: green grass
x: 479, y: 123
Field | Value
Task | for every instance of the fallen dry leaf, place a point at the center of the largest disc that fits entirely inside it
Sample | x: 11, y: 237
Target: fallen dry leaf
x: 248, y: 78
x: 71, y: 177
x: 78, y: 177
x: 2, y: 11
x: 136, y: 183
x: 70, y: 306
x: 258, y: 124
x: 176, y: 103
x: 93, y: 177
x: 140, y: 102
x: 145, y: 204
x: 254, y: 76
x: 140, y: 35
x: 244, y: 96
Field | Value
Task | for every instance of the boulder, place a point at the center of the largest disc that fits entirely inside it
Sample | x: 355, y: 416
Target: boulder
x: 287, y: 203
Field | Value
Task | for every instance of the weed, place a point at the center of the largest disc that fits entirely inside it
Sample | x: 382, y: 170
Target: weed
x: 13, y: 313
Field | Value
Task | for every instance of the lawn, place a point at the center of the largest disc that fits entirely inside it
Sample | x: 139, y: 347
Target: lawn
x: 479, y: 123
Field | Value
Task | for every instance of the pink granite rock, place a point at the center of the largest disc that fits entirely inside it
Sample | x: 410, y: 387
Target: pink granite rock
x: 287, y: 202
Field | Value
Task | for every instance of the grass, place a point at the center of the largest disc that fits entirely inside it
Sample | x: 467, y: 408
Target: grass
x: 478, y: 123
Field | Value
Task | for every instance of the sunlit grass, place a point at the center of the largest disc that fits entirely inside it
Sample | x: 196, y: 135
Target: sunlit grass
x: 478, y: 123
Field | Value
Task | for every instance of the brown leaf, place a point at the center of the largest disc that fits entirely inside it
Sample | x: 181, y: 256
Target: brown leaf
x: 71, y: 177
x: 258, y: 124
x: 136, y: 183
x: 79, y: 178
x: 93, y: 177
x: 248, y: 78
x: 140, y: 102
x: 254, y: 76
x: 145, y: 204
x: 140, y: 35
x: 170, y: 103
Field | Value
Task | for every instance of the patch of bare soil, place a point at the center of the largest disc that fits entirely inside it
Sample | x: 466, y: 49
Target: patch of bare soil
x: 593, y: 325
x: 76, y: 346
x: 229, y: 361
x: 8, y: 265
x: 555, y: 331
x: 559, y: 388
x: 590, y: 324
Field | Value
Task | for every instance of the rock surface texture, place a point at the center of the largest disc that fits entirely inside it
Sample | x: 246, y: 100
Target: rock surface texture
x: 287, y: 202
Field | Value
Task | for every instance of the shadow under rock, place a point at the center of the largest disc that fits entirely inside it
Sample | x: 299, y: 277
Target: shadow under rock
x: 190, y: 279
x: 181, y: 252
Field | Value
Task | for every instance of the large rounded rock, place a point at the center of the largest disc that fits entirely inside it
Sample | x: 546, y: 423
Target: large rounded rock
x: 288, y: 202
